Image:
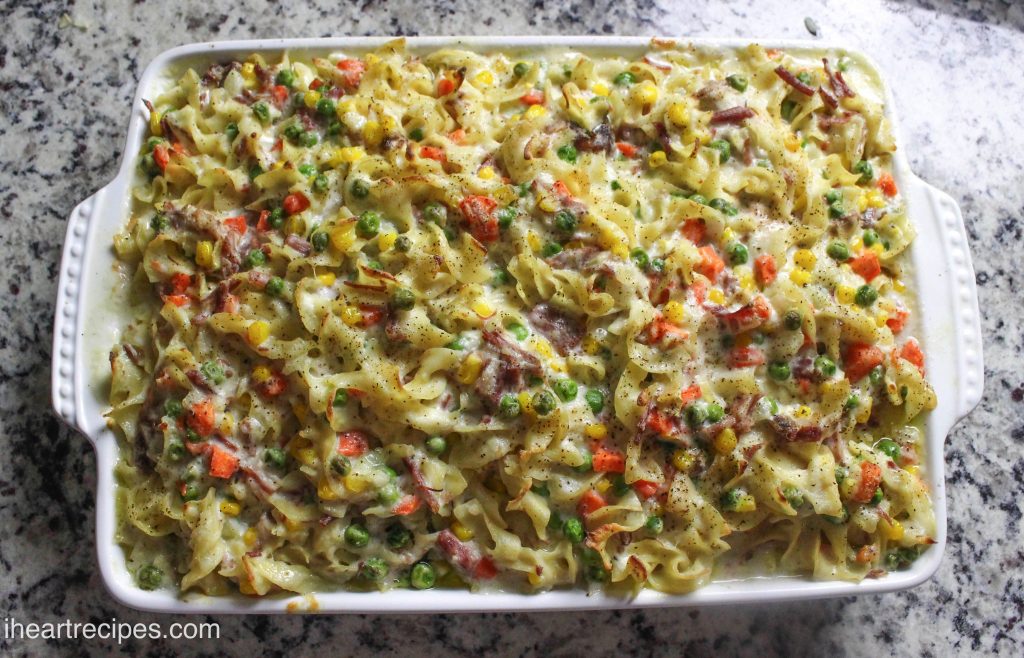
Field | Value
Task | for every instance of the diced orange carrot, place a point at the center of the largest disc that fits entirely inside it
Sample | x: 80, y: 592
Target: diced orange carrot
x: 280, y: 94
x: 354, y: 69
x: 887, y: 184
x: 532, y: 97
x: 263, y: 223
x: 561, y: 190
x: 626, y: 149
x: 177, y: 300
x: 352, y: 443
x: 744, y: 357
x: 866, y: 265
x: 295, y: 202
x: 609, y: 461
x: 764, y: 269
x: 711, y: 264
x: 590, y: 502
x: 237, y: 223
x: 371, y: 314
x: 223, y: 464
x: 860, y: 359
x: 458, y: 135
x: 160, y: 156
x: 695, y: 230
x: 445, y: 86
x: 407, y: 506
x: 479, y: 213
x: 316, y: 84
x: 274, y: 385
x: 911, y: 351
x: 645, y: 488
x: 870, y: 478
x: 866, y: 554
x: 898, y: 320
x: 201, y: 417
x: 180, y: 282
x: 432, y: 153
x: 660, y: 423
x: 691, y: 393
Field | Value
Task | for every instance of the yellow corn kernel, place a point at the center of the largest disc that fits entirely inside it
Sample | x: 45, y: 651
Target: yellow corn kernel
x: 805, y: 258
x: 898, y: 285
x: 154, y: 123
x: 295, y: 224
x: 482, y: 308
x: 371, y: 59
x: 881, y: 319
x: 293, y: 525
x: 603, y: 485
x: 792, y: 142
x: 227, y: 424
x: 600, y: 89
x: 547, y: 204
x: 800, y: 276
x: 387, y: 240
x: 682, y: 460
x: 486, y: 173
x: 327, y: 278
x: 891, y: 530
x: 727, y: 235
x: 803, y: 411
x: 846, y: 294
x: 674, y: 312
x: 204, y: 254
x: 862, y: 202
x: 878, y: 248
x: 249, y: 72
x: 388, y: 123
x: 595, y: 431
x: 230, y: 507
x: 356, y: 483
x: 542, y: 347
x: 535, y: 112
x: 311, y: 98
x: 678, y: 114
x: 351, y: 316
x: 344, y: 107
x: 373, y: 133
x: 350, y: 154
x: 746, y: 503
x: 913, y: 469
x: 657, y: 159
x: 257, y: 332
x: 646, y: 92
x: 505, y: 194
x: 525, y: 402
x: 324, y: 491
x: 342, y: 237
x: 470, y: 369
x: 277, y: 165
x: 874, y: 199
x: 716, y: 295
x: 856, y: 244
x: 533, y: 240
x: 725, y: 442
x: 306, y: 456
x: 747, y: 282
x: 557, y: 365
x: 260, y: 374
x: 484, y: 78
x: 462, y: 532
x: 249, y: 537
x: 591, y: 346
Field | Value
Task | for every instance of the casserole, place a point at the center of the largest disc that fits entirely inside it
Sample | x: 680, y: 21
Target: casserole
x: 98, y: 319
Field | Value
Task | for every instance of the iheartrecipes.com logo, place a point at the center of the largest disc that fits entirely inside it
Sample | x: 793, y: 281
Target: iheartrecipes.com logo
x: 119, y: 631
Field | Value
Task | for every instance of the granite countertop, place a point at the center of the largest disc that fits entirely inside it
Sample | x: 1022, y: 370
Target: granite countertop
x: 68, y: 70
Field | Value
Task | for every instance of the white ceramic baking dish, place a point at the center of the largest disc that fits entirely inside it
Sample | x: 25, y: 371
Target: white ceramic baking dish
x: 86, y: 323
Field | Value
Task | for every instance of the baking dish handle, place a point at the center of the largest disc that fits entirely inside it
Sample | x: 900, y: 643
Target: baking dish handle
x: 66, y: 378
x: 961, y: 288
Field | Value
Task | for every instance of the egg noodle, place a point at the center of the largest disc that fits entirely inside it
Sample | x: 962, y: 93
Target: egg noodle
x: 558, y: 319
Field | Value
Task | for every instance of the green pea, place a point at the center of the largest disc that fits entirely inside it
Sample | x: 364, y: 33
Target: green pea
x: 567, y: 153
x: 587, y: 464
x: 320, y: 183
x: 840, y: 474
x: 319, y: 240
x: 285, y: 77
x: 543, y: 403
x: 175, y: 449
x: 368, y: 224
x: 566, y: 389
x: 231, y: 131
x: 403, y: 298
x: 262, y: 111
x: 456, y: 344
x: 501, y: 278
x: 357, y: 536
x: 699, y: 198
x: 275, y: 457
x: 255, y: 258
x: 436, y: 445
x: 794, y: 497
x: 833, y: 195
x: 852, y: 402
x: 865, y: 296
x: 870, y: 237
x: 416, y: 134
x: 625, y: 78
x: 173, y: 408
x: 825, y: 365
x: 877, y: 497
x: 275, y: 286
x: 520, y: 69
x: 213, y: 372
x: 866, y: 171
x: 696, y: 414
x: 518, y: 330
x: 792, y: 320
x: 435, y: 212
x: 566, y: 221
x: 159, y: 222
x: 836, y: 210
x: 541, y: 490
x: 572, y: 528
x: 276, y: 218
x: 805, y: 77
x: 731, y: 498
x: 778, y: 370
x: 724, y: 149
x: 390, y: 472
x: 373, y: 568
x: 890, y: 448
x: 403, y: 243
x: 616, y: 186
x: 360, y: 189
x: 595, y: 400
x: 309, y: 139
x: 341, y: 465
x: 193, y: 437
x: 422, y: 576
x: 724, y: 207
x: 550, y: 249
x: 506, y: 216
x: 655, y: 525
x: 658, y: 265
x: 788, y: 109
x: 255, y: 172
x: 737, y: 82
x: 148, y: 165
x: 325, y: 107
x: 509, y: 406
x: 619, y: 486
x: 149, y: 577
x: 715, y: 412
x: 738, y: 254
x: 293, y: 133
x: 190, y: 492
x: 398, y: 536
x: 838, y: 250
x: 640, y: 257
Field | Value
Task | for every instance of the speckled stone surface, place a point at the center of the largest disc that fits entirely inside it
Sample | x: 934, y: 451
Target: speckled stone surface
x: 956, y: 70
